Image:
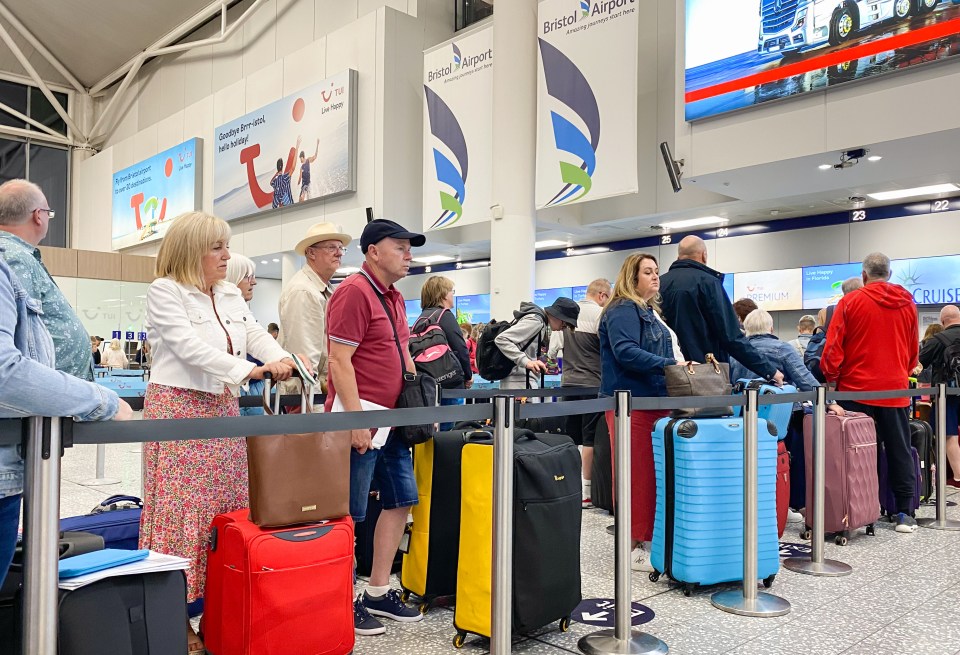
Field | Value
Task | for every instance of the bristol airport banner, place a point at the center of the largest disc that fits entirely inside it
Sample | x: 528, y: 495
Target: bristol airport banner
x: 458, y: 130
x: 148, y: 194
x: 586, y: 100
x: 294, y: 150
x: 741, y: 53
x: 772, y: 290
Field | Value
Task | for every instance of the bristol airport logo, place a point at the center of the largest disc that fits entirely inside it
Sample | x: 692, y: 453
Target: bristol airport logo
x: 451, y: 170
x: 584, y: 8
x: 457, y: 57
x: 578, y: 149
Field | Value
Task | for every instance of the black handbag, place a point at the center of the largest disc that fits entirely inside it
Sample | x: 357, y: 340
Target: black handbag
x: 418, y: 389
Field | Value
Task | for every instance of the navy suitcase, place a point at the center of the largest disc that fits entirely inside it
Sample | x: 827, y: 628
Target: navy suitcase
x: 698, y: 529
x: 363, y: 544
x: 888, y: 502
x: 117, y: 520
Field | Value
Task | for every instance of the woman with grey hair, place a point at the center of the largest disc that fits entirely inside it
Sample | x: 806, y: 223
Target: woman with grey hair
x: 242, y: 272
x: 758, y: 328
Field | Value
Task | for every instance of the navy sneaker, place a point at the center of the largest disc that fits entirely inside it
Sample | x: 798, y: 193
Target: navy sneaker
x: 364, y: 624
x: 906, y: 523
x: 390, y: 606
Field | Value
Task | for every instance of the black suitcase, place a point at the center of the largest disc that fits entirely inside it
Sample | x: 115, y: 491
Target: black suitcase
x: 921, y: 438
x: 363, y: 533
x: 143, y: 614
x: 601, y: 484
x: 546, y: 424
x: 430, y: 562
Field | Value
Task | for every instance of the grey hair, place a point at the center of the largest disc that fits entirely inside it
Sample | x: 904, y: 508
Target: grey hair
x: 759, y: 321
x: 239, y: 267
x: 851, y: 284
x: 877, y: 266
x: 18, y: 199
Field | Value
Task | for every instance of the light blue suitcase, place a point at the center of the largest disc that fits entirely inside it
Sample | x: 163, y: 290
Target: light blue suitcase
x: 779, y: 414
x: 698, y: 529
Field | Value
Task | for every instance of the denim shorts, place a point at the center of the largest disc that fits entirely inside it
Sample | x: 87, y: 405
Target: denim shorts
x: 388, y: 470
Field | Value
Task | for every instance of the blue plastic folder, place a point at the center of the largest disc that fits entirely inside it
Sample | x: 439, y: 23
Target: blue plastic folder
x: 72, y: 567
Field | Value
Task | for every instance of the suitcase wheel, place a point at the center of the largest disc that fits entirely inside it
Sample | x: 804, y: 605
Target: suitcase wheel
x: 871, y: 531
x: 806, y: 533
x: 841, y: 540
x: 768, y: 581
x: 458, y: 639
x: 424, y: 607
x: 654, y: 576
x: 404, y: 596
x: 565, y: 624
x: 688, y: 589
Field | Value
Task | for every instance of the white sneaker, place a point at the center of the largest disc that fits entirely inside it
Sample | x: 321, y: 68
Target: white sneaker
x: 640, y: 559
x: 794, y: 517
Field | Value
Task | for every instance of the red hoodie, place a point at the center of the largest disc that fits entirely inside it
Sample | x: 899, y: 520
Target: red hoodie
x: 872, y: 342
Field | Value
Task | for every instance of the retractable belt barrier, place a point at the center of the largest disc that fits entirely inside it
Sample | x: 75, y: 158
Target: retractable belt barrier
x: 45, y: 438
x: 489, y: 394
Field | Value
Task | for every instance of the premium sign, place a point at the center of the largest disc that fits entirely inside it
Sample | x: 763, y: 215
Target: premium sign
x: 458, y: 130
x: 586, y: 107
x: 771, y: 290
x: 297, y: 149
x: 147, y: 195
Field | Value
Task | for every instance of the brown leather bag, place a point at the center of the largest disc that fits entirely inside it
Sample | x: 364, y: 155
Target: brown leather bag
x: 709, y: 379
x: 298, y: 478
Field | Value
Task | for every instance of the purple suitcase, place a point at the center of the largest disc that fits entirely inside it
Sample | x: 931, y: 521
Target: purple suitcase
x: 852, y: 498
x: 888, y: 502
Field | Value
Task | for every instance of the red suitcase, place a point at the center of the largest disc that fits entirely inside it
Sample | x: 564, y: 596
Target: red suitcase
x: 852, y: 495
x: 283, y: 590
x: 783, y: 486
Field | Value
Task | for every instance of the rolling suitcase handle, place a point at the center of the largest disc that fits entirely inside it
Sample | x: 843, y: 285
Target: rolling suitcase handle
x: 306, y: 397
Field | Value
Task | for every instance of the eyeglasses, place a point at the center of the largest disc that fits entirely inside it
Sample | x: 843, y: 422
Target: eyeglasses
x: 50, y: 212
x: 332, y: 249
x: 250, y: 277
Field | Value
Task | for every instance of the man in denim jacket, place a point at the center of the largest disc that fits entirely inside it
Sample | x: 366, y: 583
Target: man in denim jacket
x: 29, y: 386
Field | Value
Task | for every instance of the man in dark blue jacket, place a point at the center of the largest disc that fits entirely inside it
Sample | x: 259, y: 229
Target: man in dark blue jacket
x: 696, y: 307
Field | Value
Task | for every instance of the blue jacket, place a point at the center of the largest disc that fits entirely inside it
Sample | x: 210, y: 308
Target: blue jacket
x: 784, y: 356
x: 634, y: 348
x: 29, y: 386
x: 697, y: 308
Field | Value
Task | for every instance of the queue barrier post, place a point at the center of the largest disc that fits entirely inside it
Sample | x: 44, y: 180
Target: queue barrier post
x: 748, y: 601
x: 501, y: 589
x: 42, y: 532
x: 815, y: 564
x: 941, y: 522
x: 622, y: 639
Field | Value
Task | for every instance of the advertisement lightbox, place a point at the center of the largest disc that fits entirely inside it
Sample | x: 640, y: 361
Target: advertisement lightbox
x: 579, y: 293
x: 728, y: 279
x: 545, y: 297
x: 148, y: 194
x: 821, y: 284
x: 741, y: 53
x: 772, y: 290
x: 300, y: 148
x: 474, y: 309
x: 413, y: 311
x: 931, y: 280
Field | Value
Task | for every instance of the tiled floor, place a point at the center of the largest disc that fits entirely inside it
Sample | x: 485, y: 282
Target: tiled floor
x: 902, y: 597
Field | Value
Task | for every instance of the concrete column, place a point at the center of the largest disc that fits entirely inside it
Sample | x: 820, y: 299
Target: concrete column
x: 512, y: 237
x: 289, y: 265
x: 82, y: 113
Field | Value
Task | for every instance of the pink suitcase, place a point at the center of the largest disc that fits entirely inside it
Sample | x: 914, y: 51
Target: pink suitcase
x: 852, y: 497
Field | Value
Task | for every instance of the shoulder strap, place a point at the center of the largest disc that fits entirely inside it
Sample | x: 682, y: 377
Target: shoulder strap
x: 396, y: 337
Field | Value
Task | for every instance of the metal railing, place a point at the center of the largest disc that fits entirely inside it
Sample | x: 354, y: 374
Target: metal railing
x: 45, y: 438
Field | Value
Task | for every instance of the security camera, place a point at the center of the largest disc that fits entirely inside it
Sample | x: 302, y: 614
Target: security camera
x: 674, y: 167
x: 850, y: 158
x: 857, y: 153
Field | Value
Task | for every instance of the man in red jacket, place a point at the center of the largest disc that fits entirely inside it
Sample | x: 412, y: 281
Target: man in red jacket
x: 872, y: 345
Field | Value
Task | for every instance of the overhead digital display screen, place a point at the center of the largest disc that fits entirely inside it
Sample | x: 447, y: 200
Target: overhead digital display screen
x: 728, y: 285
x: 821, y: 284
x: 413, y: 311
x: 473, y: 309
x: 741, y: 53
x: 931, y: 280
x: 772, y: 290
x: 579, y: 293
x: 545, y: 297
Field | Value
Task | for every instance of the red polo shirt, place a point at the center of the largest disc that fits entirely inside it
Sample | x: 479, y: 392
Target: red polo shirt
x: 355, y: 317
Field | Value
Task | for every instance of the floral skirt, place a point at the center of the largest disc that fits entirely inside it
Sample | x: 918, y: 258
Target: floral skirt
x: 187, y: 483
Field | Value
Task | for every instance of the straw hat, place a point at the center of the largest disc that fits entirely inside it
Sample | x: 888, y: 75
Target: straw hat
x: 322, y: 232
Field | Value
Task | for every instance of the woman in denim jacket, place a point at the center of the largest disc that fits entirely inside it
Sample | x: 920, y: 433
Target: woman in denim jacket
x: 29, y: 386
x: 635, y: 346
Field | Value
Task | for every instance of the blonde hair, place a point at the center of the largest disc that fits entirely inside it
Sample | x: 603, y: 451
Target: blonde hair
x: 115, y: 344
x: 239, y: 267
x: 188, y: 239
x: 625, y: 288
x: 434, y: 291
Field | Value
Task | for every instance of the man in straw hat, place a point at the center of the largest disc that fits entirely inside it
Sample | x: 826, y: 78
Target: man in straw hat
x: 303, y: 302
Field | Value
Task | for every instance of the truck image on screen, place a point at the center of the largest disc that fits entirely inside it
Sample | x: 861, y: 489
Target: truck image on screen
x: 789, y: 27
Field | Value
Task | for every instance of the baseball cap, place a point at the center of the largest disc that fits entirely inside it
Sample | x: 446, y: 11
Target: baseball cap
x: 379, y: 229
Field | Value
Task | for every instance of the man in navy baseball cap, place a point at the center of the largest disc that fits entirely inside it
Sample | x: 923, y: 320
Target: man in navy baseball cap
x: 381, y: 228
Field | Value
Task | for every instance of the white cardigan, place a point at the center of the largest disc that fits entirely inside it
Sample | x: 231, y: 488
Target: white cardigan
x: 188, y: 341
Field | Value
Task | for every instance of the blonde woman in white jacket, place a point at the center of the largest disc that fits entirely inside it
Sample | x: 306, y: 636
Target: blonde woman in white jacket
x: 200, y: 330
x: 113, y: 356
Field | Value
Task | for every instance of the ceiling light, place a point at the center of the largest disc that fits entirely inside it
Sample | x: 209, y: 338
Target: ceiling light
x: 825, y: 167
x: 264, y: 261
x: 874, y: 158
x: 477, y: 264
x: 694, y: 222
x: 276, y: 259
x: 347, y: 270
x: 433, y: 259
x: 549, y: 243
x: 916, y: 191
x: 587, y: 251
